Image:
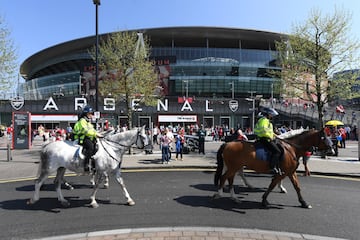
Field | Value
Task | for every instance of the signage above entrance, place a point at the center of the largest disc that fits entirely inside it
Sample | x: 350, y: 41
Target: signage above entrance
x: 177, y: 118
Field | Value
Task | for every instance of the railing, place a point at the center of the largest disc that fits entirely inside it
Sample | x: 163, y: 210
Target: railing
x: 349, y: 117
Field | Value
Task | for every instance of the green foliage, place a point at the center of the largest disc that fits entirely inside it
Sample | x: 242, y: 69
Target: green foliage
x: 313, y: 53
x: 8, y: 59
x: 131, y: 74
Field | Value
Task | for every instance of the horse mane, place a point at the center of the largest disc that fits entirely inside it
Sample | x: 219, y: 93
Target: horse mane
x: 292, y: 133
x: 119, y: 136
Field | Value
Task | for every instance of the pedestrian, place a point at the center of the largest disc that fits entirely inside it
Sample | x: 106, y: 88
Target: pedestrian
x: 170, y: 135
x: 164, y: 144
x: 354, y: 133
x: 306, y: 158
x: 201, y: 136
x: 180, y: 140
x: 241, y: 136
x: 342, y: 133
x: 85, y: 132
x: 156, y: 135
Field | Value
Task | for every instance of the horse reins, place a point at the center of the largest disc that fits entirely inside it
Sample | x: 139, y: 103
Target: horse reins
x: 101, y: 140
x: 102, y: 144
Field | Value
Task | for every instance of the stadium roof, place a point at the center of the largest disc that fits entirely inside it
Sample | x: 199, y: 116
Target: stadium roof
x: 73, y: 55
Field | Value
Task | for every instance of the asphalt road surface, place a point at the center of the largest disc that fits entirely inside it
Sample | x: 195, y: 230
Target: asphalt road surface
x: 181, y: 198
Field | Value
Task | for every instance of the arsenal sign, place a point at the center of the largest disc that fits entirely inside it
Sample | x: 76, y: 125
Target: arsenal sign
x: 233, y: 105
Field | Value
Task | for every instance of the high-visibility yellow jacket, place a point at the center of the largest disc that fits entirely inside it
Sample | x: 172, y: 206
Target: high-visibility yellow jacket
x: 264, y: 128
x: 82, y: 129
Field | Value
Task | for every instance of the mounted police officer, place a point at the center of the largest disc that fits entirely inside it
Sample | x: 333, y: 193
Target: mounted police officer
x: 86, y: 134
x: 265, y: 132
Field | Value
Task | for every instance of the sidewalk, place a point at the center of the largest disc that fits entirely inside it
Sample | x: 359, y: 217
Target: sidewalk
x: 24, y: 165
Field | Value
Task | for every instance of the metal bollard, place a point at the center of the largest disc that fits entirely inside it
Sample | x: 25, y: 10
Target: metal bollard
x: 9, y: 157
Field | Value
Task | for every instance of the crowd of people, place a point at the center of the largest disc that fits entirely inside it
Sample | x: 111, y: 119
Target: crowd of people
x: 170, y: 138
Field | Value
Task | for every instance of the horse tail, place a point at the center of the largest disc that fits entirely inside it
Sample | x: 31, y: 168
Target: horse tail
x: 220, y: 164
x: 44, y: 162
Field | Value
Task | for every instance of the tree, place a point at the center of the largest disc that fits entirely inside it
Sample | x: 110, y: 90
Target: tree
x: 8, y: 58
x: 313, y: 53
x: 131, y: 75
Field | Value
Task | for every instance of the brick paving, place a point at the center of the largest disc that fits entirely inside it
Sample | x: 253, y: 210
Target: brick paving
x: 190, y: 233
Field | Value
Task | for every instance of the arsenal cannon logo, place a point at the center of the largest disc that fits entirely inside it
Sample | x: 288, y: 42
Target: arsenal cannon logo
x: 233, y: 105
x: 17, y: 102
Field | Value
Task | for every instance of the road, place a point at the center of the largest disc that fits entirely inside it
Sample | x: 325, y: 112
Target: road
x: 181, y: 198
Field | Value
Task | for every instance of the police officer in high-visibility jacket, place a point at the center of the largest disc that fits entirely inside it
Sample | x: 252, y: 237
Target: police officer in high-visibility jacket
x: 265, y: 132
x: 86, y: 134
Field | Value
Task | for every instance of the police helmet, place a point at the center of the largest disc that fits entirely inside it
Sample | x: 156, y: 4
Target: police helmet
x: 87, y: 109
x: 269, y: 111
x: 260, y: 115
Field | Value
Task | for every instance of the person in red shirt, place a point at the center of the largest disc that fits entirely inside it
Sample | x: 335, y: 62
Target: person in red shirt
x: 327, y: 131
x: 221, y: 133
x: 180, y: 140
x: 9, y: 130
x: 241, y: 136
x: 58, y: 135
x: 342, y: 133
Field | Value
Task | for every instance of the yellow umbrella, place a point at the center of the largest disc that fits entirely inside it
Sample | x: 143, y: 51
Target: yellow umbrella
x: 334, y: 123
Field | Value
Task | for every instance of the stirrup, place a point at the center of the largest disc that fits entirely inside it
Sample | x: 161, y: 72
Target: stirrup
x: 276, y: 171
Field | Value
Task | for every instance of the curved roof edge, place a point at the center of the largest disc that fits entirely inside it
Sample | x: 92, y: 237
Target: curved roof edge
x: 81, y: 44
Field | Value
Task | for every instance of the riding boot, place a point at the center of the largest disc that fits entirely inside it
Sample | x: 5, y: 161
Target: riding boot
x: 86, y: 164
x: 274, y: 166
x: 92, y: 164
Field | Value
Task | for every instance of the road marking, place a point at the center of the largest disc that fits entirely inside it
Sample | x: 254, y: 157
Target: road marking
x: 337, y: 177
x: 347, y: 178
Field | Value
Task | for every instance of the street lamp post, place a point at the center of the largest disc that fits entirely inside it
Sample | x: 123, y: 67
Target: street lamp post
x: 97, y: 3
x: 272, y: 94
x: 232, y: 90
x: 252, y: 99
x: 186, y: 88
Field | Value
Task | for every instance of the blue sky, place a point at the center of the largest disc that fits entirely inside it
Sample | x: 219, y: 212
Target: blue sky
x: 38, y: 24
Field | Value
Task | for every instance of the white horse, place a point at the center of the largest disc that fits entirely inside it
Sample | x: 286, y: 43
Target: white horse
x: 247, y: 184
x: 59, y: 156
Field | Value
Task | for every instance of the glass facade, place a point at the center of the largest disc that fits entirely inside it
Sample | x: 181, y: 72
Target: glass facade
x: 214, y: 71
x: 63, y: 84
x: 203, y: 72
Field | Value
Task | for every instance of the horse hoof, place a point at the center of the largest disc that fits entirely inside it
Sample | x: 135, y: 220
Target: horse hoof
x: 65, y: 204
x: 70, y: 188
x: 307, y: 206
x: 236, y: 200
x: 131, y: 203
x: 216, y: 196
x: 265, y: 203
x: 94, y: 205
x: 283, y: 191
x: 29, y: 202
x: 106, y: 186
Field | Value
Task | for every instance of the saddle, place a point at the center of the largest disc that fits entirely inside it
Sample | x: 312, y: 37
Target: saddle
x: 264, y: 154
x: 79, y: 155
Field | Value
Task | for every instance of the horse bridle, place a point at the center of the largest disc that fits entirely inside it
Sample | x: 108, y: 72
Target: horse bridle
x: 321, y: 137
x: 119, y: 144
x: 123, y: 145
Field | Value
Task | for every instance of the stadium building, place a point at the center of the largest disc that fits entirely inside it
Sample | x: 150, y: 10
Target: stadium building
x: 209, y: 75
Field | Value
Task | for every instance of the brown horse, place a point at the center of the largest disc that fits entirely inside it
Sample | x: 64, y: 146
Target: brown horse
x: 237, y: 155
